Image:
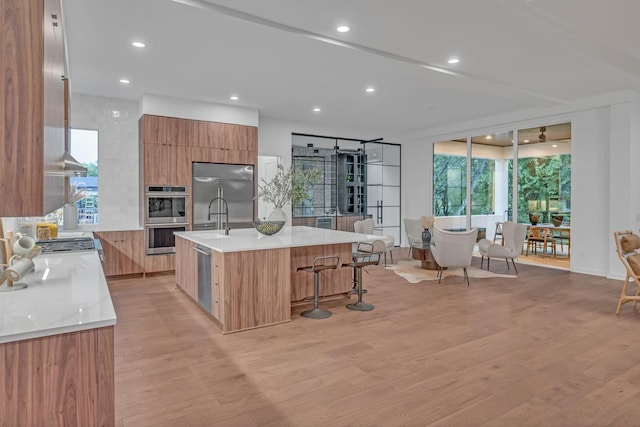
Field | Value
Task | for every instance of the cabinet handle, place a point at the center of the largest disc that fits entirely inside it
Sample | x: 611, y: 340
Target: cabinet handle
x: 201, y: 251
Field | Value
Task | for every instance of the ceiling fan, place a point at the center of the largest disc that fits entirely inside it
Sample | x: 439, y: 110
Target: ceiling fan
x: 542, y: 137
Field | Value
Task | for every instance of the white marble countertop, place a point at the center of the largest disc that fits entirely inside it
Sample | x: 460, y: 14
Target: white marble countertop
x: 248, y: 239
x: 66, y: 292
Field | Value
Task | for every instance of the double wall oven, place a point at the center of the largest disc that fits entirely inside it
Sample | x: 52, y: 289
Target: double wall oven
x: 165, y: 213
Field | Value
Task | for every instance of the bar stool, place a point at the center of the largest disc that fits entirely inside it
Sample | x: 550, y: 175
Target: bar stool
x: 319, y: 264
x: 361, y: 259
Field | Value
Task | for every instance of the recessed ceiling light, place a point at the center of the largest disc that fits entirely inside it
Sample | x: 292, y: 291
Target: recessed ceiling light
x: 233, y: 98
x: 453, y: 60
x: 138, y: 44
x: 487, y: 137
x: 124, y: 81
x: 343, y: 29
x: 526, y: 140
x: 316, y: 109
x: 555, y: 145
x: 370, y: 89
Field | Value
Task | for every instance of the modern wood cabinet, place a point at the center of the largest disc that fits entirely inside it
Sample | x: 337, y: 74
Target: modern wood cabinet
x: 169, y: 146
x: 187, y: 267
x: 166, y: 165
x: 123, y: 251
x: 217, y: 285
x: 65, y: 379
x: 198, y: 133
x: 31, y: 107
x: 158, y: 263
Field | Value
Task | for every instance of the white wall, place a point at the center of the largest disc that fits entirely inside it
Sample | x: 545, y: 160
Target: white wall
x: 117, y: 123
x: 198, y: 110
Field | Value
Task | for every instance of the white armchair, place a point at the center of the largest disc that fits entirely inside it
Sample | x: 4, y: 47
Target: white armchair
x: 513, y: 237
x: 413, y: 229
x: 453, y: 249
x: 365, y: 226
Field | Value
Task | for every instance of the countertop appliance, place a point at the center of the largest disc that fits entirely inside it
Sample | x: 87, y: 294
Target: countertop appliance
x: 223, y: 184
x: 71, y: 244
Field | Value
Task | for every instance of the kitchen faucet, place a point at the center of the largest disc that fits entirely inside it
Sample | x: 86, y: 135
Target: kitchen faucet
x: 225, y: 213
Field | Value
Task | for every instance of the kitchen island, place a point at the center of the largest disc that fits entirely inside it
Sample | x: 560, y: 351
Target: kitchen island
x: 254, y: 278
x: 56, y: 345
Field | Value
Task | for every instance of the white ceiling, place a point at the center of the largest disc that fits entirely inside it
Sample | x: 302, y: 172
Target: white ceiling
x: 514, y: 54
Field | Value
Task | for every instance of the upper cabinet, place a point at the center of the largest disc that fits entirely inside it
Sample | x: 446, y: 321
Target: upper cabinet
x: 170, y: 145
x: 32, y: 107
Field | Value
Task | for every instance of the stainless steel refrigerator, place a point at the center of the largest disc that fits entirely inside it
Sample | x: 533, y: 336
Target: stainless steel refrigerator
x: 219, y: 187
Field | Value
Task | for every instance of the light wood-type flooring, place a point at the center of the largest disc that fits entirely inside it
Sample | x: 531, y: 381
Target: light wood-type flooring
x: 545, y: 349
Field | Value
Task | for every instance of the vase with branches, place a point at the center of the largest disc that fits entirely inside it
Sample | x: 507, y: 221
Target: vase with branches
x: 288, y: 186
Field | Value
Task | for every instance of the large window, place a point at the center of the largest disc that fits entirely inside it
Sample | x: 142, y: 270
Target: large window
x: 543, y: 178
x: 450, y: 181
x: 83, y: 146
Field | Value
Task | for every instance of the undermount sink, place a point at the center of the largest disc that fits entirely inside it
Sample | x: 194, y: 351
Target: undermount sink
x: 212, y: 236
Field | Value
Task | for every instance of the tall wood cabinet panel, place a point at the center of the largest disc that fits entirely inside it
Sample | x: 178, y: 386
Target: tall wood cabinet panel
x: 123, y: 251
x: 31, y: 107
x: 187, y: 267
x: 166, y: 165
x: 65, y: 379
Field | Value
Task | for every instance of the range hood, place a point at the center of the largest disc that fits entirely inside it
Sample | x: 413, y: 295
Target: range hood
x: 72, y: 167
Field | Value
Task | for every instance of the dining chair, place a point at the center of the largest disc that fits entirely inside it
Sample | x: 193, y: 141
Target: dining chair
x: 538, y: 237
x: 563, y: 236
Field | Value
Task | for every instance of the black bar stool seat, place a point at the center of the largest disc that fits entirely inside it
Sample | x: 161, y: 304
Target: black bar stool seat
x: 319, y: 264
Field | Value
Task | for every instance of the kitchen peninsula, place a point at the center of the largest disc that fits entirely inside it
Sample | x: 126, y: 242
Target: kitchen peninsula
x: 57, y: 345
x: 254, y: 278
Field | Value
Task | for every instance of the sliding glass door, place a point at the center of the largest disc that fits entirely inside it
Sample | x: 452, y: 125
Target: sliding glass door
x: 383, y: 187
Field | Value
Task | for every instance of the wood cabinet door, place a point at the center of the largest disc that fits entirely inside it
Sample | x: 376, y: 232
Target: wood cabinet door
x: 157, y: 263
x: 166, y: 165
x: 123, y: 251
x: 187, y: 267
x: 165, y: 130
x: 31, y: 107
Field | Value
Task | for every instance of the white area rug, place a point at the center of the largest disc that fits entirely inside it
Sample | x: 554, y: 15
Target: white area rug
x: 413, y: 273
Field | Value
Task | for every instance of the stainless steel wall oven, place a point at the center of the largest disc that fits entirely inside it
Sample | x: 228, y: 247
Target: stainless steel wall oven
x: 165, y: 213
x: 159, y: 238
x: 166, y: 204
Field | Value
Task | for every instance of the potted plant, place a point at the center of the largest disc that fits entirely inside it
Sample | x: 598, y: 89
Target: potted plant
x: 286, y: 186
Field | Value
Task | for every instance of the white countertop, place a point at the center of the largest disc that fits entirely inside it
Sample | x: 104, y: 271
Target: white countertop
x: 248, y: 239
x: 66, y: 292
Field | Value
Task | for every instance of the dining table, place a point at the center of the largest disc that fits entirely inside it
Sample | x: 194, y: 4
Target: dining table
x: 561, y: 233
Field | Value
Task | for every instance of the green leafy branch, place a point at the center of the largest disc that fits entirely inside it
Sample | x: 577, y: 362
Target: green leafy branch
x: 289, y: 185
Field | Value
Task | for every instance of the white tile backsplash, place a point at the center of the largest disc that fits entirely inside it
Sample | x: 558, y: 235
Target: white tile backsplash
x: 117, y: 123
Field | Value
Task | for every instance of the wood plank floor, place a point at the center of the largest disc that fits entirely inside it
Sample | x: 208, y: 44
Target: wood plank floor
x: 545, y: 349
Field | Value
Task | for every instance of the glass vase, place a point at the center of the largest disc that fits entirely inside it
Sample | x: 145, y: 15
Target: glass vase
x: 277, y: 214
